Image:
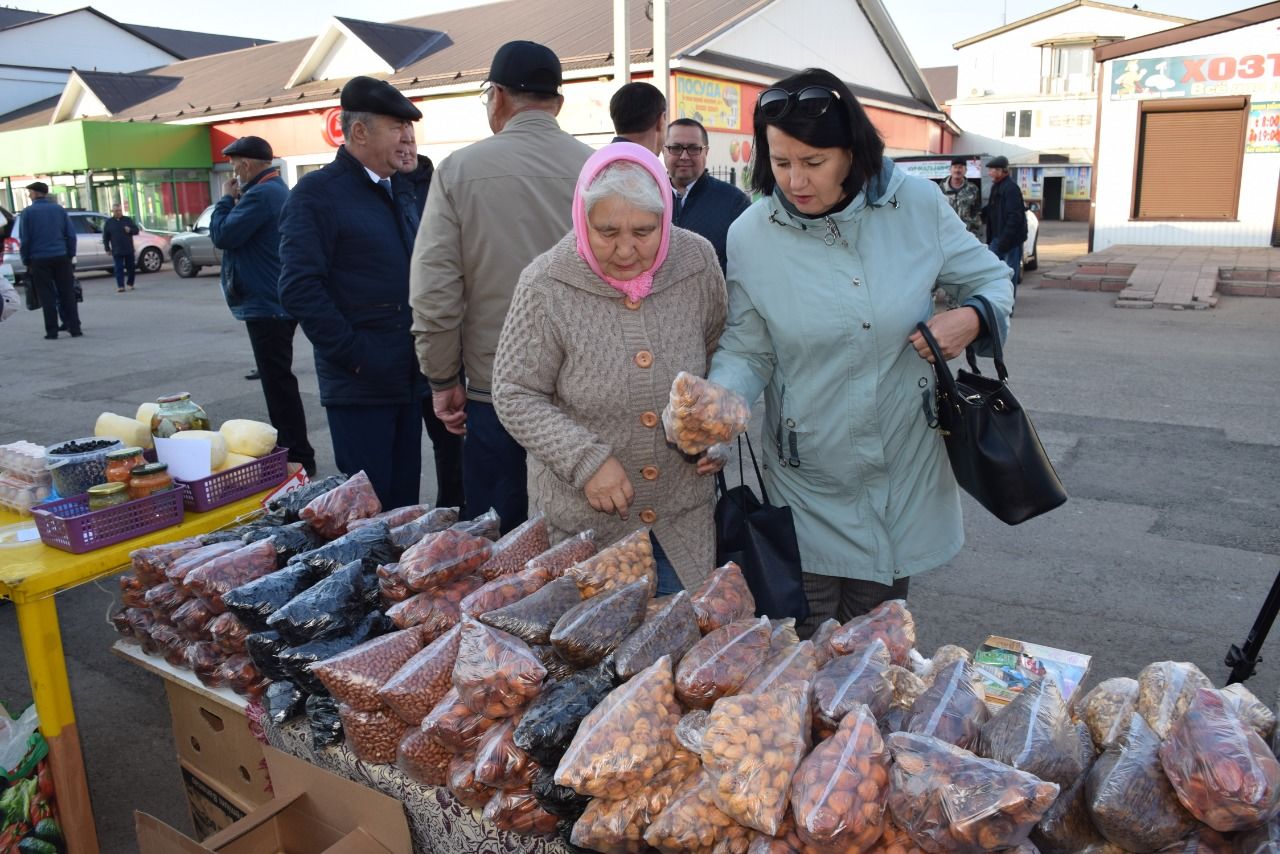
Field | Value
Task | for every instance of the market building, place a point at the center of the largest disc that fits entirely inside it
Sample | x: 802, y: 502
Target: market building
x: 723, y: 53
x: 1189, y: 135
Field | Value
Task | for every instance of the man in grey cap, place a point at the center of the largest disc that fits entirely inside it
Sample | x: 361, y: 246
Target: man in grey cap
x: 245, y: 226
x: 345, y: 237
x: 494, y: 206
x: 1006, y: 217
x: 48, y: 250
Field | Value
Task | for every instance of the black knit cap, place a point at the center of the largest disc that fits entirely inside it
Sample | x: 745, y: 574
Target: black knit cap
x: 526, y: 67
x: 252, y: 147
x: 369, y: 95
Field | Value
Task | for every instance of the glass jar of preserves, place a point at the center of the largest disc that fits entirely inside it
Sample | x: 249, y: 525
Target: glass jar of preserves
x: 175, y: 413
x: 121, y: 463
x: 103, y: 495
x: 149, y: 478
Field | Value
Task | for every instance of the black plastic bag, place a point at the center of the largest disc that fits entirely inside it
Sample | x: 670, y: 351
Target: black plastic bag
x: 532, y: 618
x: 326, y: 726
x: 297, y: 660
x: 371, y: 543
x: 285, y: 509
x: 290, y: 540
x: 264, y: 650
x: 256, y: 601
x: 550, y: 722
x: 329, y: 607
x: 227, y: 536
x: 431, y: 522
x: 283, y: 701
x: 560, y: 801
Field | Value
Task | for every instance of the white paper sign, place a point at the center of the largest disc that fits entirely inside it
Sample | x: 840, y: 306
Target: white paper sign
x: 188, y: 459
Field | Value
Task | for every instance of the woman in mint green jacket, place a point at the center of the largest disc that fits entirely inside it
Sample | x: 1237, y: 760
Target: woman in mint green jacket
x: 829, y: 273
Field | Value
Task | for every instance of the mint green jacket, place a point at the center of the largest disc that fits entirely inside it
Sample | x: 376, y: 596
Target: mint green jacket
x: 819, y: 315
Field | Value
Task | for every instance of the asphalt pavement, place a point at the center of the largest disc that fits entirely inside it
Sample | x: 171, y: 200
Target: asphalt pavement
x: 1164, y: 426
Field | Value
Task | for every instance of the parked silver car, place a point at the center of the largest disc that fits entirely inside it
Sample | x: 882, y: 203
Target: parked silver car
x: 194, y: 249
x: 152, y: 249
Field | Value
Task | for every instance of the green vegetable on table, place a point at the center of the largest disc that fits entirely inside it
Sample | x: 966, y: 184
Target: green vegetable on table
x: 15, y: 803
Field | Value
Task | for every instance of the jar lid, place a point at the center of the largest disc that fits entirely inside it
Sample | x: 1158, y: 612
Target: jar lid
x: 124, y: 453
x: 149, y: 468
x: 112, y: 488
x: 173, y: 398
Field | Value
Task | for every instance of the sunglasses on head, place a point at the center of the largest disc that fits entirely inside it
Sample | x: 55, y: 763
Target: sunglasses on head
x: 810, y: 102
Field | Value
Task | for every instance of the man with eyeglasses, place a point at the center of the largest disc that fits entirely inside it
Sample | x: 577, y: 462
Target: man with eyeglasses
x: 494, y: 206
x: 704, y: 204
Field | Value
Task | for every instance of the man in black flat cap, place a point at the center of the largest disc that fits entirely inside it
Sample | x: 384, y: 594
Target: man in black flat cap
x: 345, y: 237
x: 245, y: 226
x: 48, y: 249
x: 1006, y: 217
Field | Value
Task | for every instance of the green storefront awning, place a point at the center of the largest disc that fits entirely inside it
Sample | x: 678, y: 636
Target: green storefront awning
x: 83, y: 145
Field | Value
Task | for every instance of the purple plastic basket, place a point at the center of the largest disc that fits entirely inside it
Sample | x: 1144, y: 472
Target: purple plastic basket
x: 235, y: 483
x: 69, y: 525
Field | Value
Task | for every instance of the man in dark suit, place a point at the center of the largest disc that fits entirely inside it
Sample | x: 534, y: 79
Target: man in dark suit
x: 346, y: 233
x: 48, y: 250
x: 117, y: 238
x: 704, y: 204
x: 1006, y: 217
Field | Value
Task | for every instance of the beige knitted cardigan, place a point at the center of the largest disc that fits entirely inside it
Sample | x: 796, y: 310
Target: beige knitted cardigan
x: 580, y: 376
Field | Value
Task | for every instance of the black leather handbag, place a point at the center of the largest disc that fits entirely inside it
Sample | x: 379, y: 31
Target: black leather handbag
x: 994, y: 450
x: 761, y: 539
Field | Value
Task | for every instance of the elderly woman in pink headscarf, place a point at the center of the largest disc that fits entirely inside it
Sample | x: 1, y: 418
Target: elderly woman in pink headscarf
x: 598, y: 329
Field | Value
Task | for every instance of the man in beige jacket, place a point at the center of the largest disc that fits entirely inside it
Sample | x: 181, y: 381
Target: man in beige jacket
x: 494, y: 206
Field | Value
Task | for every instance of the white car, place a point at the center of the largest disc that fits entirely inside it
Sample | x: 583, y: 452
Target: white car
x: 1029, y: 259
x: 152, y: 249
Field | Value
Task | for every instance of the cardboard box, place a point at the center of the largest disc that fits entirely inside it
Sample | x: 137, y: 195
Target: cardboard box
x: 313, y: 812
x: 213, y: 739
x: 1008, y: 666
x: 211, y: 807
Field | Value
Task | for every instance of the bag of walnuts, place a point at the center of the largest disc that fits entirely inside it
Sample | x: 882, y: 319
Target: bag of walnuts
x: 1067, y: 827
x: 839, y: 792
x: 496, y: 674
x: 718, y: 664
x: 593, y: 628
x: 785, y: 841
x: 455, y: 727
x: 1106, y: 709
x: 693, y: 824
x: 629, y: 559
x: 439, y: 559
x: 700, y: 413
x: 518, y: 811
x: 723, y: 598
x: 618, y: 826
x: 500, y: 764
x: 671, y: 630
x: 1165, y: 692
x: 851, y: 680
x: 889, y: 621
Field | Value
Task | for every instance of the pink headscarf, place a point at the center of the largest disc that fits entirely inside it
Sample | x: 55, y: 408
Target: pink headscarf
x: 639, y: 287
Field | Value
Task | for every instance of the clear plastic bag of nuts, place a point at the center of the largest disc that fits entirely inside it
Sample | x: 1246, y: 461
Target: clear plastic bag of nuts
x: 424, y: 760
x: 1165, y: 692
x: 822, y: 640
x: 561, y: 557
x: 751, y: 748
x: 503, y: 591
x: 1035, y: 733
x: 331, y: 512
x: 499, y: 762
x: 356, y: 675
x: 463, y: 784
x: 629, y: 559
x: 151, y: 562
x: 625, y: 740
x: 211, y: 580
x: 889, y: 621
x: 700, y: 413
x: 670, y: 630
x: 851, y: 680
x: 1106, y: 709
x: 496, y: 674
x: 422, y: 681
x: 518, y: 811
x: 435, y: 611
x: 519, y: 546
x: 1251, y: 711
x: 794, y: 664
x: 431, y: 522
x: 532, y: 618
x: 229, y: 632
x: 723, y: 598
x: 952, y: 709
x: 437, y: 560
x: 839, y: 792
x: 693, y: 824
x: 593, y: 628
x: 375, y: 736
x: 718, y: 664
x: 618, y: 826
x: 1067, y: 827
x: 455, y: 727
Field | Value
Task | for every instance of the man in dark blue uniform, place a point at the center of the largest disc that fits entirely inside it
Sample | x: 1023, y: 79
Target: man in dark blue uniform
x: 345, y: 237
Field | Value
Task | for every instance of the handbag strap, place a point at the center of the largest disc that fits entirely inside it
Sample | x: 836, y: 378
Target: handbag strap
x: 997, y: 349
x: 946, y: 381
x: 723, y: 485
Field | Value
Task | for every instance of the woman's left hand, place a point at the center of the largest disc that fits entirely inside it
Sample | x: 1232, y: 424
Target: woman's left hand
x: 953, y: 330
x: 712, y: 460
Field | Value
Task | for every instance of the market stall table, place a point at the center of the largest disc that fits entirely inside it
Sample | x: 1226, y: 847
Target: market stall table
x: 31, y: 575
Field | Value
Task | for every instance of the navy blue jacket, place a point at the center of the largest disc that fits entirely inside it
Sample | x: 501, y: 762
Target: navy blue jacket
x: 117, y: 235
x: 710, y: 208
x: 420, y: 178
x: 344, y: 275
x: 1006, y: 216
x: 46, y: 232
x: 248, y: 233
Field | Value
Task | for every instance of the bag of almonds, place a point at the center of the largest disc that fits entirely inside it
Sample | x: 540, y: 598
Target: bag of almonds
x: 532, y: 618
x: 987, y: 805
x: 517, y: 811
x: 723, y: 598
x: 423, y: 759
x: 751, y: 747
x: 840, y: 789
x: 1106, y: 709
x: 560, y: 801
x: 670, y: 630
x: 593, y: 628
x: 718, y: 664
x: 423, y: 680
x: 629, y: 559
x: 521, y: 545
x: 700, y: 413
x: 889, y: 621
x: 455, y: 727
x: 355, y: 675
x: 851, y: 680
x: 549, y: 724
x: 496, y: 674
x: 822, y: 640
x: 503, y: 591
x: 1035, y: 733
x: 1129, y: 797
x: 625, y: 740
x: 440, y: 559
x: 463, y: 784
x: 432, y: 522
x: 794, y: 664
x: 692, y: 823
x: 1165, y: 692
x: 561, y: 557
x: 499, y: 763
x: 618, y: 826
x: 1222, y: 770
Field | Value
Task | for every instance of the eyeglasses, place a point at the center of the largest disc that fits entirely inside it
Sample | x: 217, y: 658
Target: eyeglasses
x: 691, y: 150
x: 485, y: 92
x: 810, y: 102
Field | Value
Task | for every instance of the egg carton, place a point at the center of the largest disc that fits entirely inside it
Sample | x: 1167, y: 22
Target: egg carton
x: 23, y: 458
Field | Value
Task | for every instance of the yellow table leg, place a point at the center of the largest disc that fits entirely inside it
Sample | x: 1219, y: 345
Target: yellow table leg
x: 47, y: 669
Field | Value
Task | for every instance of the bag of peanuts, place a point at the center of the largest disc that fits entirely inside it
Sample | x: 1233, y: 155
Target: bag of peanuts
x: 240, y: 675
x: 1106, y: 709
x: 331, y: 512
x: 1165, y: 692
x: 440, y: 559
x: 356, y: 675
x: 1222, y: 770
x: 255, y: 602
x: 1067, y: 827
x: 455, y: 727
x: 434, y: 612
x: 150, y: 563
x: 532, y: 618
x: 462, y: 782
x: 671, y: 630
x: 496, y: 674
x: 851, y: 680
x: 796, y: 664
x: 323, y: 720
x: 723, y: 598
x: 283, y: 702
x: 1129, y: 797
x: 374, y: 736
x: 700, y: 413
x: 517, y: 811
x: 503, y: 591
x: 431, y: 522
x: 192, y: 619
x: 499, y: 763
x: 822, y: 640
x: 889, y: 621
x: 391, y: 586
x: 692, y: 823
x: 625, y: 740
x: 593, y: 628
x: 618, y: 826
x: 1035, y: 733
x: 689, y: 730
x: 422, y: 759
x: 718, y: 664
x: 1251, y: 711
x: 177, y: 571
x: 558, y: 559
x: 629, y: 559
x: 296, y: 661
x: 948, y: 799
x: 229, y: 632
x: 394, y: 517
x: 560, y: 801
x: 423, y: 680
x: 511, y: 553
x: 327, y: 608
x: 840, y: 789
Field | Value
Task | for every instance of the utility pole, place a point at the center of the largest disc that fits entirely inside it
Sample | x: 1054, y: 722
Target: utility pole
x: 621, y: 44
x: 661, y: 51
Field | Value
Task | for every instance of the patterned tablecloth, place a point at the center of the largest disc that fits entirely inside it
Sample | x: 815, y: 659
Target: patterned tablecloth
x: 437, y: 822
